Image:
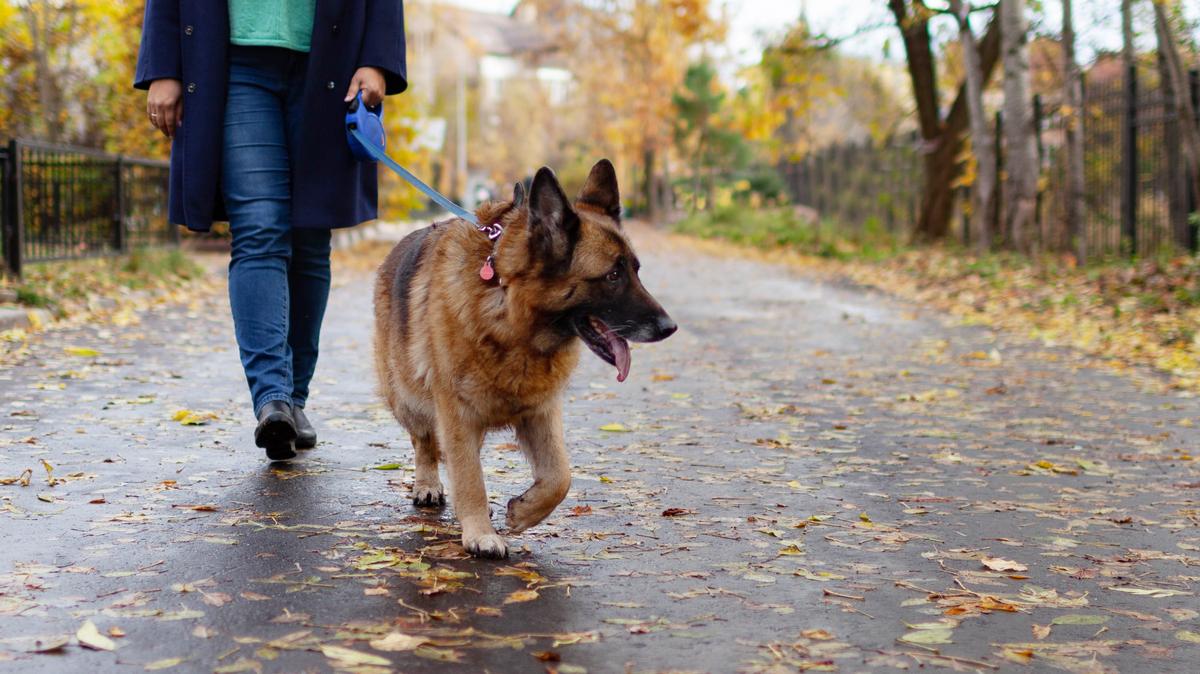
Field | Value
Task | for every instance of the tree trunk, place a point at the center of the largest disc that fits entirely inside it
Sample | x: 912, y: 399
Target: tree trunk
x: 984, y: 190
x: 1128, y: 134
x: 668, y: 196
x: 942, y: 140
x: 648, y: 157
x: 1021, y: 163
x: 1127, y: 55
x: 914, y: 29
x: 1073, y: 103
x: 1176, y: 175
x: 1189, y: 132
x: 37, y: 19
x: 710, y: 189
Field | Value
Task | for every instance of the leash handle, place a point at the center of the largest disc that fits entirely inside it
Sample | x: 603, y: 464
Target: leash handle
x: 369, y: 121
x: 367, y: 139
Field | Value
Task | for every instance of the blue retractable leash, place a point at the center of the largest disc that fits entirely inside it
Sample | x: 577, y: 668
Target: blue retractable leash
x: 364, y: 132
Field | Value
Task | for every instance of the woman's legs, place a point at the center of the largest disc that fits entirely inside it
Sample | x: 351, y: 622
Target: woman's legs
x: 278, y: 277
x: 256, y: 183
x: 308, y: 284
x: 308, y: 274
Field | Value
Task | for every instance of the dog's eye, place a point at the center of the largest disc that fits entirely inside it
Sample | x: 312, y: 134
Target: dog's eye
x: 613, y: 276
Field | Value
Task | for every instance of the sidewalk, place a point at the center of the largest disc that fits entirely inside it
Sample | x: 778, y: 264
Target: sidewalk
x: 808, y: 477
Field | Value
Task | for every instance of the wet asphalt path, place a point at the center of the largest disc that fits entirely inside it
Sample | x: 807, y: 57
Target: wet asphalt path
x: 807, y: 477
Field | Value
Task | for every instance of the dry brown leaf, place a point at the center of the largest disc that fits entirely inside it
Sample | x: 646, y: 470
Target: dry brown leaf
x: 216, y: 598
x: 398, y: 641
x: 200, y: 508
x: 348, y: 657
x: 999, y: 564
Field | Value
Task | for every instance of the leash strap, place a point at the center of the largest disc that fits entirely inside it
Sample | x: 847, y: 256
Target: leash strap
x: 381, y: 156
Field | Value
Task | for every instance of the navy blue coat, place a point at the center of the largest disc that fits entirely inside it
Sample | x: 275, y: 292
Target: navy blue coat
x: 188, y: 40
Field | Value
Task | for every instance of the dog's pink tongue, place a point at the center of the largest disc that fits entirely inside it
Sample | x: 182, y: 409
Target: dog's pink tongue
x: 620, y: 349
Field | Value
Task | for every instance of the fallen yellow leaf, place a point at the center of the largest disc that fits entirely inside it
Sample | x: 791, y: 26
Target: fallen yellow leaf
x: 521, y: 596
x: 190, y: 418
x: 82, y: 351
x: 90, y: 637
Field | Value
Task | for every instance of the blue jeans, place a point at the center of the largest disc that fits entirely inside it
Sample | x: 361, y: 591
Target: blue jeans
x: 278, y: 277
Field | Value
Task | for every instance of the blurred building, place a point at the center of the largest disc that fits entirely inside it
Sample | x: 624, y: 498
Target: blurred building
x: 485, y: 76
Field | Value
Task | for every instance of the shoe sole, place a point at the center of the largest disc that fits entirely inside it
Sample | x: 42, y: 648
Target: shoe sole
x: 278, y: 438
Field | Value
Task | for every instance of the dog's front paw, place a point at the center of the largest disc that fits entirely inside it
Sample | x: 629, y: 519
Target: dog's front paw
x: 489, y: 546
x: 535, y: 504
x: 520, y: 516
x: 428, y: 494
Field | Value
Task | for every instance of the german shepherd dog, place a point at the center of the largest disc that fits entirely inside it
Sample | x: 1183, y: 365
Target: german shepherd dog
x: 478, y: 329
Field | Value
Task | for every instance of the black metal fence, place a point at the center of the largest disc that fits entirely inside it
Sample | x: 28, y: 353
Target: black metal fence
x: 1138, y: 196
x: 861, y: 183
x: 59, y: 202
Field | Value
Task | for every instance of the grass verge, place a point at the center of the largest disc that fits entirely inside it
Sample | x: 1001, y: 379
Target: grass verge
x: 69, y: 287
x: 791, y: 230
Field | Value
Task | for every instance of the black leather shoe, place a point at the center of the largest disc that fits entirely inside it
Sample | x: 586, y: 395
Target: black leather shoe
x: 306, y: 435
x: 276, y: 430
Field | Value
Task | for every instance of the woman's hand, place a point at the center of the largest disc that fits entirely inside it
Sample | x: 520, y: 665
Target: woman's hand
x: 370, y: 81
x: 164, y: 105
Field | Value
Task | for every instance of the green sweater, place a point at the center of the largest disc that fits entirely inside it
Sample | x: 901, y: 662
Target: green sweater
x: 272, y: 23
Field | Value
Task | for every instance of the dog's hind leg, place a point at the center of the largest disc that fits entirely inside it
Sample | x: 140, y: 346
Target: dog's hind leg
x: 427, y: 486
x: 460, y: 441
x: 541, y: 439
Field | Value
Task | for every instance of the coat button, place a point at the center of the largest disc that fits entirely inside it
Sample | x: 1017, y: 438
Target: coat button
x: 335, y: 27
x: 330, y: 85
x: 192, y: 88
x: 188, y: 30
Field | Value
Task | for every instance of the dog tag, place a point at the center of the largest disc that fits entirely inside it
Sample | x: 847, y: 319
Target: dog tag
x: 487, y: 272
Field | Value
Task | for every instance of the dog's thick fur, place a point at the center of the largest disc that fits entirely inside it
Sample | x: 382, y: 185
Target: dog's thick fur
x: 458, y: 356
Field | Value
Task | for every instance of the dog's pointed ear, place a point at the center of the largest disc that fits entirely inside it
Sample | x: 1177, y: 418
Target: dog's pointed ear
x: 518, y: 195
x: 553, y: 224
x: 600, y: 191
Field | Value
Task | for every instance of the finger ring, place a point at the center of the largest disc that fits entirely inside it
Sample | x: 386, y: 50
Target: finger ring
x: 154, y: 115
